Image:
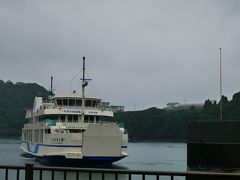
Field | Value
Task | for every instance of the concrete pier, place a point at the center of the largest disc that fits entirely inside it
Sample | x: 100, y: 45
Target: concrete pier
x: 213, y: 146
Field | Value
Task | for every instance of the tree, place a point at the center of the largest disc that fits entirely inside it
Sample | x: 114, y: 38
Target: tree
x: 14, y: 99
x: 207, y: 105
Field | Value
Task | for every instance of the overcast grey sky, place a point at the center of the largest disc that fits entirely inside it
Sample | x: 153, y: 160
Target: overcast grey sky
x: 138, y: 52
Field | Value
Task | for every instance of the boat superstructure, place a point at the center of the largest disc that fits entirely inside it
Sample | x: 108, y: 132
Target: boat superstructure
x: 70, y: 127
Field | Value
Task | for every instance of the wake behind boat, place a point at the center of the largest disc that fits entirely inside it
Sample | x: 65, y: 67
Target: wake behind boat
x: 69, y: 128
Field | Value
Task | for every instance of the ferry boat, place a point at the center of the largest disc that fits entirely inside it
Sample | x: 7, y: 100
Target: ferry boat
x: 69, y: 128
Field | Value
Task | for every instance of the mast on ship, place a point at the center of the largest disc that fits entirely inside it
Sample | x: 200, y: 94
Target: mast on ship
x: 84, y: 84
x: 51, y: 90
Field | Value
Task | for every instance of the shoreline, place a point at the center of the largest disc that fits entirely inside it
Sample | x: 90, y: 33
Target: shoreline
x: 15, y: 137
x: 159, y: 141
x: 130, y: 141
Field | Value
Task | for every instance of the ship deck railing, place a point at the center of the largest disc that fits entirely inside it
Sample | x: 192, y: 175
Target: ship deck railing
x: 30, y: 172
x: 30, y: 113
x: 41, y: 124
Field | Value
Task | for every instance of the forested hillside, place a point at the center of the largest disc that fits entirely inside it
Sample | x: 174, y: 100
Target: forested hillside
x: 14, y: 99
x: 158, y: 124
x: 151, y: 124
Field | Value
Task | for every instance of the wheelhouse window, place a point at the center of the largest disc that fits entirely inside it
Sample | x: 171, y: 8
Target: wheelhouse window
x: 78, y: 102
x: 94, y: 103
x: 65, y: 102
x: 59, y: 102
x: 72, y: 102
x: 88, y: 103
x: 97, y: 103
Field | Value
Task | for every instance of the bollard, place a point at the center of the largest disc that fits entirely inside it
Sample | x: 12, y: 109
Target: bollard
x: 28, y: 171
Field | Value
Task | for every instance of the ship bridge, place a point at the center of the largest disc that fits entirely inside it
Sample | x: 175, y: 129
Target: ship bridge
x: 72, y: 100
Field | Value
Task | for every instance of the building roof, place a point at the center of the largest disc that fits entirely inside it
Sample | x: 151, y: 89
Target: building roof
x: 189, y: 105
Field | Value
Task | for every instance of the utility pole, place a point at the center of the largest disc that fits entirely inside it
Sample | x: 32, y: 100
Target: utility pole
x: 221, y: 91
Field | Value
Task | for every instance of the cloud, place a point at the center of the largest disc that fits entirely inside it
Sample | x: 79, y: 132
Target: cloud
x: 138, y: 52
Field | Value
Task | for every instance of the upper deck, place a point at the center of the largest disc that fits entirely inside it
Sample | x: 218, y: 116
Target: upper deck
x: 69, y: 104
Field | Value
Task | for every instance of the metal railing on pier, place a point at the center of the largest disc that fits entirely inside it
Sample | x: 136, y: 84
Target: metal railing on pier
x: 30, y: 172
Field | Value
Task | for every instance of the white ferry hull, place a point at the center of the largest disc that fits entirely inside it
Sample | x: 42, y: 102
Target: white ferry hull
x: 66, y: 158
x: 100, y: 143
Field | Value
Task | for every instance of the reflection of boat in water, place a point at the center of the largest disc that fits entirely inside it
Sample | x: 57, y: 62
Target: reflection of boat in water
x: 69, y: 129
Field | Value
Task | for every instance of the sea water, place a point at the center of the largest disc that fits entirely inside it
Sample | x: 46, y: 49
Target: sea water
x: 142, y: 156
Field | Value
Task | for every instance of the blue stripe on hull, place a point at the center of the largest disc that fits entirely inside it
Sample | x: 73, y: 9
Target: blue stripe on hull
x: 36, y: 146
